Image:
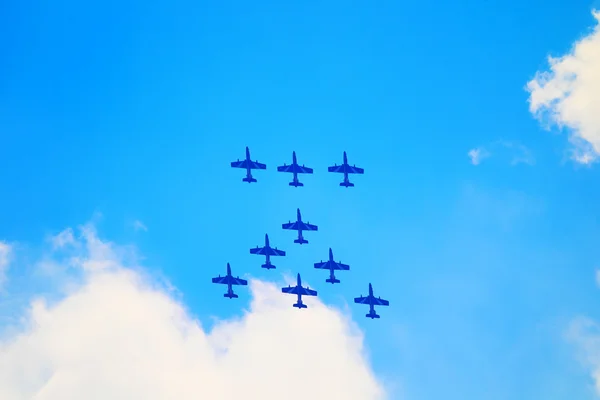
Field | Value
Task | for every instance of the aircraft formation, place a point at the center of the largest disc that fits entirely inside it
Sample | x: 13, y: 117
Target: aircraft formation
x: 299, y: 226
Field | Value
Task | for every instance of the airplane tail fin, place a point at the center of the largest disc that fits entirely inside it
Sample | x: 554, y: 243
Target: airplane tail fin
x: 300, y: 305
x: 332, y: 280
x: 347, y: 184
x: 231, y: 295
x: 372, y: 315
x: 301, y: 241
x: 249, y: 179
x: 296, y: 184
x: 268, y: 266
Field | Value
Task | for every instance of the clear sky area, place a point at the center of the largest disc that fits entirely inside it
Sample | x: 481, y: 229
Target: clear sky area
x: 477, y: 124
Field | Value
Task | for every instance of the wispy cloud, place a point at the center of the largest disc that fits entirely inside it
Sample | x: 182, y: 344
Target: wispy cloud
x: 568, y: 95
x: 514, y: 152
x: 63, y: 239
x: 5, y: 254
x: 477, y: 155
x: 139, y: 226
x: 118, y: 333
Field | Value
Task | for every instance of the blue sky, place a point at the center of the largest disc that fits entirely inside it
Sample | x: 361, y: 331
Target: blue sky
x: 135, y: 110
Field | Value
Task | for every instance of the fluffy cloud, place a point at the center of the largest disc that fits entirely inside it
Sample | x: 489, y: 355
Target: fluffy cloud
x: 515, y: 152
x: 118, y: 334
x: 5, y: 250
x: 569, y: 95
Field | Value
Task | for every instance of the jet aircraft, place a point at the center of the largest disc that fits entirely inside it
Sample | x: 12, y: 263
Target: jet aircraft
x: 267, y: 251
x: 300, y: 226
x: 295, y: 169
x: 372, y: 301
x: 346, y: 169
x: 300, y: 291
x: 248, y: 165
x: 332, y: 266
x: 229, y: 280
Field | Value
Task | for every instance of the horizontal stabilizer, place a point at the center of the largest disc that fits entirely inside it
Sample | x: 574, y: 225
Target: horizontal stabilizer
x: 347, y: 184
x: 300, y: 305
x: 332, y: 280
x: 249, y: 180
x: 296, y: 184
x: 231, y: 295
x: 300, y: 241
x: 372, y: 315
x: 268, y: 266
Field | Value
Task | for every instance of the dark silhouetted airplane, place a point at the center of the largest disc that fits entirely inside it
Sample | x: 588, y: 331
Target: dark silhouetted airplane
x: 300, y: 226
x: 248, y: 165
x: 346, y: 169
x: 267, y: 251
x: 372, y: 301
x: 332, y: 266
x: 300, y: 291
x: 229, y: 280
x: 295, y: 169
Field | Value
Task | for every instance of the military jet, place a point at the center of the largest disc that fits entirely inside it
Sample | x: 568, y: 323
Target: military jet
x: 300, y: 291
x: 267, y: 251
x: 229, y: 280
x: 372, y: 301
x: 295, y: 169
x: 300, y: 226
x: 346, y: 169
x: 332, y: 266
x: 248, y: 165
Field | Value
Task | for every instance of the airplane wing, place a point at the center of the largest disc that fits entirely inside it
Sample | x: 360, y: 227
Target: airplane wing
x: 336, y: 168
x: 340, y: 266
x: 292, y: 290
x: 230, y: 280
x: 285, y: 168
x: 258, y: 250
x: 354, y: 170
x: 371, y: 300
x: 380, y: 302
x: 257, y: 165
x: 290, y: 225
x: 276, y: 252
x: 346, y: 168
x: 295, y: 168
x: 299, y: 290
x: 240, y: 164
x: 267, y: 251
x: 309, y: 227
x: 332, y: 265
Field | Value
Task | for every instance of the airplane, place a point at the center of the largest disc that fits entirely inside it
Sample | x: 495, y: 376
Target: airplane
x: 332, y: 266
x: 229, y: 280
x: 372, y: 301
x: 346, y: 169
x: 300, y: 226
x: 300, y: 291
x: 248, y: 165
x: 267, y: 251
x: 295, y: 169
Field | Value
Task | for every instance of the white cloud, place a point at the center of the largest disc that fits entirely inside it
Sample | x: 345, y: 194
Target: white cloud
x: 585, y: 334
x: 119, y: 335
x: 139, y: 226
x: 477, y: 155
x: 515, y: 152
x: 5, y: 252
x: 63, y: 239
x: 569, y: 95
